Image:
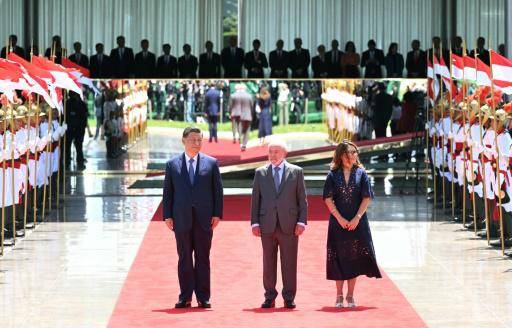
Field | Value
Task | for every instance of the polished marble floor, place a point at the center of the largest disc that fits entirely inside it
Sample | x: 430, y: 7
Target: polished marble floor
x: 68, y: 272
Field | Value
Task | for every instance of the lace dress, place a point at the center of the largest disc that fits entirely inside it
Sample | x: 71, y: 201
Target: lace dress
x: 349, y: 253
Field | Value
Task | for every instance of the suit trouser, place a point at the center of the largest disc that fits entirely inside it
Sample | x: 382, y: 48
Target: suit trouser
x: 194, y: 275
x: 212, y: 126
x: 236, y: 127
x: 288, y: 248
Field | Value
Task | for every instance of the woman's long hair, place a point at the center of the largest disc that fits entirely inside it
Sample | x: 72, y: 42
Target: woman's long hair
x: 341, y: 150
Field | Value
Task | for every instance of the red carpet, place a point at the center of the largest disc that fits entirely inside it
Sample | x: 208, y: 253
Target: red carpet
x: 151, y: 288
x: 238, y: 207
x: 229, y: 153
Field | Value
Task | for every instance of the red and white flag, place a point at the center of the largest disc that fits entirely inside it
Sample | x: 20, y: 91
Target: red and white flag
x: 457, y: 67
x: 63, y: 79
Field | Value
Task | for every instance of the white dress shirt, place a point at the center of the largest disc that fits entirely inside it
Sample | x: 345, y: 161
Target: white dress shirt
x: 194, y: 165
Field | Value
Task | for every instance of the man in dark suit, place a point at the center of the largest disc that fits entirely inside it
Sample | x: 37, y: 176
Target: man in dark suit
x: 13, y: 47
x: 167, y: 64
x: 56, y: 46
x: 232, y: 59
x: 122, y: 60
x: 482, y: 53
x: 187, y: 64
x: 278, y: 60
x: 192, y: 208
x: 145, y: 62
x: 372, y: 61
x: 334, y: 59
x: 212, y: 110
x: 299, y: 60
x: 320, y: 65
x: 100, y: 64
x: 416, y: 62
x: 436, y: 42
x: 457, y: 48
x: 279, y: 211
x: 78, y: 57
x: 383, y: 110
x: 209, y: 62
x: 255, y: 61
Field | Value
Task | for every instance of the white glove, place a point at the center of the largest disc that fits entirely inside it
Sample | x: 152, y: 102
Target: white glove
x: 63, y: 129
x: 32, y: 147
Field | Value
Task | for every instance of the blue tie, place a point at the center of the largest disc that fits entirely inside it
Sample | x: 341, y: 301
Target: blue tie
x: 277, y: 181
x: 191, y: 171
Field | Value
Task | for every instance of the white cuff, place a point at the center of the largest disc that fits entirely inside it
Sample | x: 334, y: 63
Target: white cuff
x: 255, y: 225
x: 302, y: 224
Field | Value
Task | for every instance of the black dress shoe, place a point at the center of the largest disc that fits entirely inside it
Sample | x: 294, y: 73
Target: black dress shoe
x: 268, y: 304
x: 204, y: 304
x: 289, y: 304
x: 182, y: 304
x: 497, y: 243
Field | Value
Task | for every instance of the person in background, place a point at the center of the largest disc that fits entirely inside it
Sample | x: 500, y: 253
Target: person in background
x: 394, y: 62
x: 265, y: 120
x: 395, y: 116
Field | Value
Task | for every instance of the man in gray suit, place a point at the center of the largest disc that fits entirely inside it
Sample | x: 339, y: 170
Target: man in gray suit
x: 278, y: 215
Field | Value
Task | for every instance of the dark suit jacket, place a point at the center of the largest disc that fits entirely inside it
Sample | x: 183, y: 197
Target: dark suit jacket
x: 145, y: 68
x: 122, y: 67
x: 299, y: 63
x: 58, y: 55
x: 278, y: 65
x: 212, y: 102
x: 232, y: 65
x: 320, y: 68
x: 209, y: 68
x: 84, y: 60
x: 167, y: 71
x: 371, y: 69
x: 187, y: 69
x: 255, y: 68
x: 334, y: 66
x: 181, y: 198
x: 416, y: 68
x: 100, y: 71
x: 18, y: 51
x: 483, y: 55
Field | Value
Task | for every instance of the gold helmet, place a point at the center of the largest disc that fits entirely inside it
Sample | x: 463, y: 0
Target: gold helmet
x: 22, y: 111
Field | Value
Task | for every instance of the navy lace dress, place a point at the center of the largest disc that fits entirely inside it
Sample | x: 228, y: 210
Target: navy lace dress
x: 349, y: 253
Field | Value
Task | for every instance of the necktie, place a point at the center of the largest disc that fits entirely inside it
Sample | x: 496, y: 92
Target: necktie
x: 191, y: 171
x: 335, y: 55
x: 233, y: 52
x: 78, y: 58
x: 100, y: 59
x: 166, y: 60
x: 121, y: 53
x: 145, y: 55
x: 277, y: 181
x: 209, y: 56
x: 279, y: 54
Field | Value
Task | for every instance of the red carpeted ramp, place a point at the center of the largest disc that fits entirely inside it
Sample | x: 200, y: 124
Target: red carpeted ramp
x: 151, y: 288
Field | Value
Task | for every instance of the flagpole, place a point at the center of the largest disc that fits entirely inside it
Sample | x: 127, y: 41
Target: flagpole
x: 25, y: 203
x: 3, y: 181
x: 482, y: 163
x: 435, y: 141
x: 502, y: 233
x: 452, y: 138
x: 464, y: 91
x: 37, y: 122
x: 442, y: 128
x: 12, y: 128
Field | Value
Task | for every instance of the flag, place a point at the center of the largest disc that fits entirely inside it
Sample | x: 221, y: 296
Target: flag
x: 61, y: 76
x: 501, y: 67
x: 34, y: 76
x: 483, y: 73
x: 457, y: 67
x: 441, y: 68
x: 69, y: 64
x: 469, y: 69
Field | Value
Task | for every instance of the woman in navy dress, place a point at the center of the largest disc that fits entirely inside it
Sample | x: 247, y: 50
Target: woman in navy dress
x: 347, y: 194
x: 265, y: 123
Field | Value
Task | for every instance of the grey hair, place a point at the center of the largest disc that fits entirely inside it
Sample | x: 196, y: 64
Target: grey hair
x: 275, y: 142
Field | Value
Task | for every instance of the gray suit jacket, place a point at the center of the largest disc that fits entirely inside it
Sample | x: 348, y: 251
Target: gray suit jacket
x: 289, y: 203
